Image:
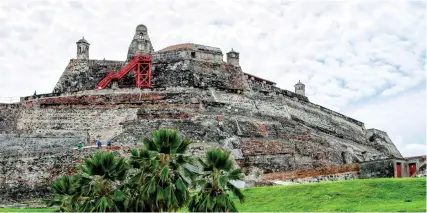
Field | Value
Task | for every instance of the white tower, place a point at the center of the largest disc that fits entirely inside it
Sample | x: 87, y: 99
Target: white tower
x: 233, y: 57
x: 300, y: 88
x: 82, y: 49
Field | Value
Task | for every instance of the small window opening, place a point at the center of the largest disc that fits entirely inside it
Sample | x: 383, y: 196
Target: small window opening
x: 193, y: 54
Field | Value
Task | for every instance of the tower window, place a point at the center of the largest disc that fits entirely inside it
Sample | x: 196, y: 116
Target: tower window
x: 193, y: 54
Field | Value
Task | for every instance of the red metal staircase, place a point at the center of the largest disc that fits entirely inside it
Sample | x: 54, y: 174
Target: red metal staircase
x: 142, y: 66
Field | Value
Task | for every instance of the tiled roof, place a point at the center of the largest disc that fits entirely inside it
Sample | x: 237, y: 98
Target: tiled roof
x: 187, y: 46
x: 190, y: 46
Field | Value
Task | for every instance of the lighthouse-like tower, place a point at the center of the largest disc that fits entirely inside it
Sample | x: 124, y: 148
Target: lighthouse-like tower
x: 140, y: 44
x: 82, y: 49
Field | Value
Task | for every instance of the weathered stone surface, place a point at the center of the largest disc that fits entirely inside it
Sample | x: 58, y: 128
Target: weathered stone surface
x: 378, y: 169
x: 310, y: 173
x: 208, y: 100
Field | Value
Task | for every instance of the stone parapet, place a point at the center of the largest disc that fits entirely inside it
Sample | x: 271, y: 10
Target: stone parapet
x: 310, y: 173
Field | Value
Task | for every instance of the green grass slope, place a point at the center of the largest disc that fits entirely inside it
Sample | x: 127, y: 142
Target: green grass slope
x: 27, y: 210
x: 369, y: 195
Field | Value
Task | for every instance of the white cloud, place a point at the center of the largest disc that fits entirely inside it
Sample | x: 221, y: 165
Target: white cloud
x: 403, y: 118
x: 344, y: 51
x: 409, y: 149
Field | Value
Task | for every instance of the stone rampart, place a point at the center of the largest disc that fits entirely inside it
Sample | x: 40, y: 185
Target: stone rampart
x: 309, y: 173
x: 267, y: 132
x: 285, y: 107
x: 85, y: 74
x: 193, y: 90
x: 380, y: 141
x: 9, y: 114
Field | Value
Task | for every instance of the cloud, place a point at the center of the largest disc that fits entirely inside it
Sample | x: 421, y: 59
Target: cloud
x: 346, y: 52
x: 411, y: 149
x: 402, y: 117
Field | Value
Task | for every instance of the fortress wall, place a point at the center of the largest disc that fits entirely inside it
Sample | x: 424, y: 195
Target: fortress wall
x: 83, y: 74
x: 283, y: 107
x: 28, y: 178
x: 264, y: 133
x: 241, y: 115
x: 191, y: 73
x: 9, y: 114
x: 74, y: 68
x: 176, y: 74
x: 324, y: 122
x: 276, y: 155
x: 308, y: 173
x: 237, y: 78
x: 215, y: 75
x: 269, y: 133
x: 86, y: 74
x: 103, y: 122
x: 94, y: 113
x: 169, y: 56
x: 380, y: 141
x: 32, y: 144
x: 259, y: 85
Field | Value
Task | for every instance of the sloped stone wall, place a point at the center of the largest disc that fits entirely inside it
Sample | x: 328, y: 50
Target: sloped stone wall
x: 309, y: 173
x: 267, y: 132
x: 381, y: 142
x: 8, y: 117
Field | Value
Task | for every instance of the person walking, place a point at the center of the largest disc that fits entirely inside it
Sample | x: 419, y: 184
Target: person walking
x: 80, y: 146
x: 99, y: 143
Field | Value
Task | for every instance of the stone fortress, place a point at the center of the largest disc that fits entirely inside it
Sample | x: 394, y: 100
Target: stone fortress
x: 274, y: 134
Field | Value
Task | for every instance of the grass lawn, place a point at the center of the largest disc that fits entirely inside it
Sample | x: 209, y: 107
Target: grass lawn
x: 26, y: 210
x: 371, y: 195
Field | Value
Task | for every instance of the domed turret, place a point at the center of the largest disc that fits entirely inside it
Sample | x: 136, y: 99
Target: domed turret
x: 233, y: 57
x: 300, y: 88
x: 82, y: 49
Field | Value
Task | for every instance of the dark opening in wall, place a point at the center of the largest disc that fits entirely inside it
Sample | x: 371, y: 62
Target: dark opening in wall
x: 344, y: 160
x: 193, y: 54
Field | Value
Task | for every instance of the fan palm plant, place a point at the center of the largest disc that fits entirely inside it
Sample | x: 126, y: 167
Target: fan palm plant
x: 215, y: 184
x: 101, y: 183
x: 66, y: 192
x: 164, y: 172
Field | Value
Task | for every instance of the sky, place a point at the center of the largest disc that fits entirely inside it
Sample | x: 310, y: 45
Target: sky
x: 365, y: 59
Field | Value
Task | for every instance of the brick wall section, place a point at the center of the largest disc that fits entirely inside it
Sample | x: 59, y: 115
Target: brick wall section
x: 263, y: 147
x: 306, y: 173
